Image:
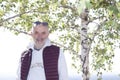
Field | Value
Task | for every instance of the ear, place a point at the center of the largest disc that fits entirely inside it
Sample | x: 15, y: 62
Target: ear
x: 30, y: 33
x: 48, y: 34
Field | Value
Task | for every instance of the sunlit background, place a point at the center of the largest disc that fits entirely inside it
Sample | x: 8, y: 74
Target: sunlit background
x: 12, y: 45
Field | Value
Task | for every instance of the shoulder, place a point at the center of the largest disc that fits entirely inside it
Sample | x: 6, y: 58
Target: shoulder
x: 52, y: 46
x: 52, y: 49
x: 55, y: 46
x: 25, y: 52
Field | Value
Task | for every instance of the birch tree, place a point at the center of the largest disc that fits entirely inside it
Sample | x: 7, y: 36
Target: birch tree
x: 85, y: 46
x: 64, y: 16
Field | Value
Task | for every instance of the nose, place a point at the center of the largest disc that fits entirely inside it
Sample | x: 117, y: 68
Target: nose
x: 39, y: 35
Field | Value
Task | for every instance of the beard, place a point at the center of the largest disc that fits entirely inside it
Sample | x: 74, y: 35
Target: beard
x: 40, y: 39
x: 39, y: 43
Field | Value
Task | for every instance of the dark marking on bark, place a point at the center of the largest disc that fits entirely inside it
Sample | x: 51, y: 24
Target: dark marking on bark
x: 84, y: 61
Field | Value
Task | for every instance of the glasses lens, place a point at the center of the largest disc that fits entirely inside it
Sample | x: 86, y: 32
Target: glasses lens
x: 45, y: 23
x: 37, y: 22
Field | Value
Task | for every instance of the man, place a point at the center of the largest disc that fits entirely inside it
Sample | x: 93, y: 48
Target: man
x: 42, y: 60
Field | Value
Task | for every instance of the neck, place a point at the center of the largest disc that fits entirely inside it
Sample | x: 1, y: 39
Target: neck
x: 38, y: 46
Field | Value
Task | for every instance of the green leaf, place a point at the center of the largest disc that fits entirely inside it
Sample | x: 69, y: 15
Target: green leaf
x: 1, y: 13
x: 114, y: 9
x: 88, y: 4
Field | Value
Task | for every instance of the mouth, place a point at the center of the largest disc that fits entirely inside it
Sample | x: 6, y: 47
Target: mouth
x: 39, y: 40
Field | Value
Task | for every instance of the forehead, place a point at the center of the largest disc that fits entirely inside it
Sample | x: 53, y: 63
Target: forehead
x: 40, y: 28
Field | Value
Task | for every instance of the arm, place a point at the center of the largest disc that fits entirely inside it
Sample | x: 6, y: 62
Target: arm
x: 62, y: 67
x: 18, y: 71
x: 19, y: 66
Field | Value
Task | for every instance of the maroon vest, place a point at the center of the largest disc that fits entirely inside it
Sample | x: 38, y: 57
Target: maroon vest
x: 50, y: 62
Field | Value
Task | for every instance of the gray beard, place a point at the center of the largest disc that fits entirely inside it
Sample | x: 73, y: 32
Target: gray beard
x: 36, y: 48
x: 39, y: 46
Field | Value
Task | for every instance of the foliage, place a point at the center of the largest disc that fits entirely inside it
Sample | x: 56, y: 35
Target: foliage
x: 64, y: 16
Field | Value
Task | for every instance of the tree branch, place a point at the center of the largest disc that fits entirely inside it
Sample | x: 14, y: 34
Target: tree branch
x: 17, y: 15
x: 98, y: 29
x: 95, y: 18
x: 68, y: 7
x: 19, y: 31
x: 68, y: 48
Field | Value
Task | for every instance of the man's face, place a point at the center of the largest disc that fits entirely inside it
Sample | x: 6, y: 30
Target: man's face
x: 40, y: 34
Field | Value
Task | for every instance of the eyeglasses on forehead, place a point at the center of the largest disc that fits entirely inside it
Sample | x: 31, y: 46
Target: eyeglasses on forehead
x: 38, y: 23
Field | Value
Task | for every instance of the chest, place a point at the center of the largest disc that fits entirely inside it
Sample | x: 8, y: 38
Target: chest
x: 37, y: 56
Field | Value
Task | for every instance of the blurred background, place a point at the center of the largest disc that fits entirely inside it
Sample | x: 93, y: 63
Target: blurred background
x: 12, y: 45
x: 98, y: 20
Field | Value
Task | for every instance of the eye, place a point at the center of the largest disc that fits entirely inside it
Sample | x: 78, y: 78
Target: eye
x: 35, y: 32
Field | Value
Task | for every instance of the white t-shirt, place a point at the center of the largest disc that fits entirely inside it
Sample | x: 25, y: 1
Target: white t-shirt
x: 36, y: 71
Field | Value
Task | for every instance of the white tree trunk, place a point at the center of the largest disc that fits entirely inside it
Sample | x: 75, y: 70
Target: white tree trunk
x: 84, y: 45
